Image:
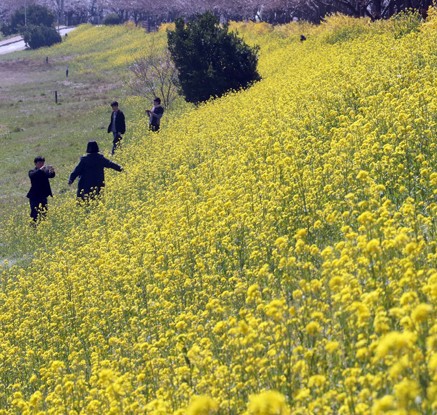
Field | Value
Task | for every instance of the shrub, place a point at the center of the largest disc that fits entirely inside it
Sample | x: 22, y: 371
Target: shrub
x: 112, y: 19
x: 38, y: 36
x: 210, y: 60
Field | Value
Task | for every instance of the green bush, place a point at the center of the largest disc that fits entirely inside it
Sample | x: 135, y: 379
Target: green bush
x: 112, y: 19
x: 38, y: 36
x: 210, y: 61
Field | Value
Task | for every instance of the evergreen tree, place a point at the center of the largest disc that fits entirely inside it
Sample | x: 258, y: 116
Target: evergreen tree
x: 38, y: 36
x: 209, y: 59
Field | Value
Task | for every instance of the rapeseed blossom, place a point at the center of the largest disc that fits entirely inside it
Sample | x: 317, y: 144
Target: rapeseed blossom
x: 270, y: 252
x: 267, y: 403
x: 202, y: 405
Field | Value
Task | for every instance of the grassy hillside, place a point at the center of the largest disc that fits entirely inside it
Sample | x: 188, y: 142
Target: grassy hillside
x: 270, y: 252
x: 32, y: 123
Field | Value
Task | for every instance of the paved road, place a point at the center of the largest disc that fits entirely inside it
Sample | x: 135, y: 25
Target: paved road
x: 16, y: 43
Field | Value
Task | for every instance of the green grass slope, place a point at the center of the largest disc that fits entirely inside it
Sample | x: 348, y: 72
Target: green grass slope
x: 32, y: 123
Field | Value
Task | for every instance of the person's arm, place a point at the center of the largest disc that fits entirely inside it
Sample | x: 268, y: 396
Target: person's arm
x: 76, y: 172
x: 38, y: 174
x: 50, y: 172
x: 32, y: 173
x: 111, y: 165
x: 122, y: 123
x: 158, y: 113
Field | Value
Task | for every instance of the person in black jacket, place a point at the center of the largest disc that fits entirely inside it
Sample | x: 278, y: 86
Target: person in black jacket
x: 90, y: 171
x: 155, y: 115
x: 117, y: 125
x: 40, y: 188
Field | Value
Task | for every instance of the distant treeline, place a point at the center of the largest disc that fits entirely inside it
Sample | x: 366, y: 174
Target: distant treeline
x: 150, y: 13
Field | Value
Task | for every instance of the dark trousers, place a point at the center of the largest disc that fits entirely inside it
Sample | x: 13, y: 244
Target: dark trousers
x: 38, y: 207
x: 154, y: 127
x: 116, y: 142
x: 89, y: 194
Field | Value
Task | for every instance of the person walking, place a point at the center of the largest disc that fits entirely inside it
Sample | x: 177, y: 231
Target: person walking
x: 155, y: 115
x: 90, y: 171
x: 117, y: 126
x: 40, y: 188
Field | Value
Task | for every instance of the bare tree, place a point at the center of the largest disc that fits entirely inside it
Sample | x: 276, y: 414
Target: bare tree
x: 77, y: 11
x: 155, y: 76
x: 8, y: 7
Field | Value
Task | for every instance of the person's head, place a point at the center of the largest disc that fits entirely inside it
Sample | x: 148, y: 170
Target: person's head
x: 92, y: 147
x: 39, y: 161
x: 157, y: 101
x: 114, y: 106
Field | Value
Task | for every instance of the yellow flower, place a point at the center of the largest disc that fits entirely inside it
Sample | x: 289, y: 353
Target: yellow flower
x: 202, y: 405
x: 366, y: 218
x: 373, y: 246
x: 253, y: 292
x: 407, y: 392
x: 275, y: 309
x: 281, y: 242
x: 35, y: 399
x: 313, y: 328
x: 383, y: 405
x: 332, y: 346
x: 421, y: 313
x: 267, y: 403
x: 362, y: 175
x: 317, y: 381
x: 395, y: 343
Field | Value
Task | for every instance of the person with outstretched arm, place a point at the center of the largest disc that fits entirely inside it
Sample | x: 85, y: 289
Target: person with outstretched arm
x: 91, y: 172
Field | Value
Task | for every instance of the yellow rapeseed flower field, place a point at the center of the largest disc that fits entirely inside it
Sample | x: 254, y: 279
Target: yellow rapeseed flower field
x: 270, y: 252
